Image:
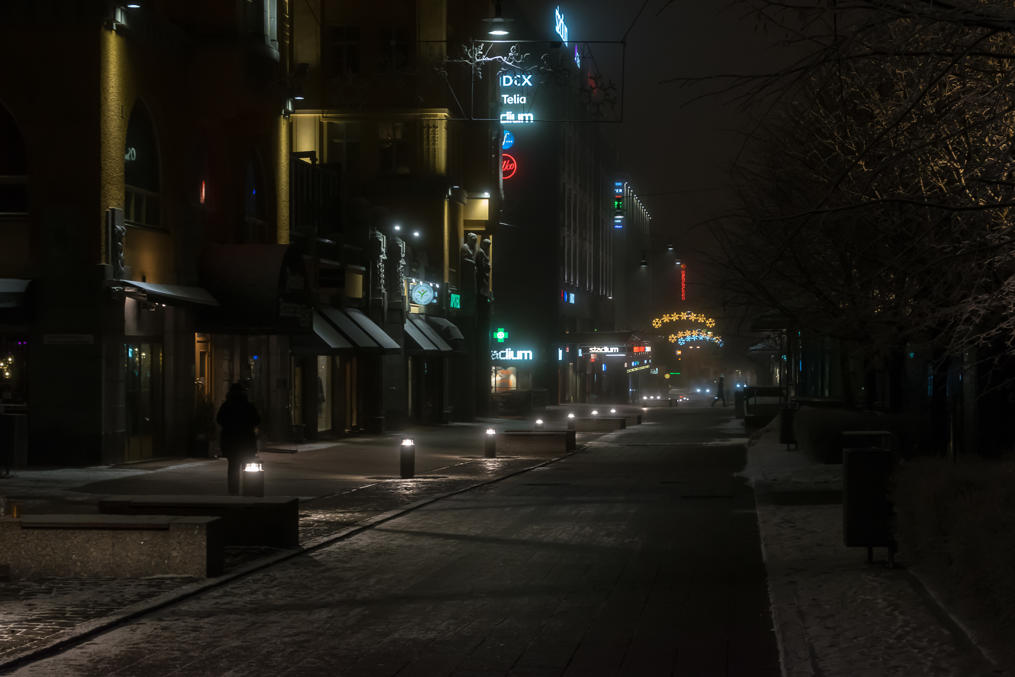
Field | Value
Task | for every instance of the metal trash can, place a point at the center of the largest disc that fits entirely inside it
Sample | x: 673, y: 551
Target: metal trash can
x: 867, y: 510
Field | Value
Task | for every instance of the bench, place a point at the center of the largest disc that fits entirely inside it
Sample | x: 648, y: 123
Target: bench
x: 246, y: 520
x: 632, y: 419
x: 599, y: 424
x: 521, y: 441
x: 121, y: 546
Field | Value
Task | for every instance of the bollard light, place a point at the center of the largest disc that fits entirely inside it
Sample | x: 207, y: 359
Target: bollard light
x: 407, y: 458
x: 595, y: 412
x: 253, y: 479
x: 570, y: 420
x: 613, y: 411
x: 490, y: 444
x: 539, y: 424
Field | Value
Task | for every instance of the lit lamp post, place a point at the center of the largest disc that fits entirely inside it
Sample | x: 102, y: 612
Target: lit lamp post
x: 490, y: 443
x: 407, y: 458
x: 253, y: 479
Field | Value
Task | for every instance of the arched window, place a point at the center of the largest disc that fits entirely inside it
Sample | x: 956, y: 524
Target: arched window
x: 13, y: 167
x: 141, y: 171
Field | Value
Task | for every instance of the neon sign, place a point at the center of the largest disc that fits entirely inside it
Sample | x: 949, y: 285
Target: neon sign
x: 604, y: 349
x: 520, y: 80
x: 509, y: 140
x: 512, y: 118
x: 500, y: 335
x: 560, y: 26
x: 683, y: 282
x: 511, y: 354
x: 508, y: 165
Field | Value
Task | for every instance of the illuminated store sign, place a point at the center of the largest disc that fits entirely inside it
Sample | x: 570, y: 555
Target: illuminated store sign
x: 508, y: 165
x: 509, y: 140
x: 511, y: 354
x: 560, y: 26
x: 618, y: 205
x: 567, y: 296
x: 604, y: 349
x: 454, y: 300
x: 500, y: 335
x: 641, y: 368
x: 512, y: 118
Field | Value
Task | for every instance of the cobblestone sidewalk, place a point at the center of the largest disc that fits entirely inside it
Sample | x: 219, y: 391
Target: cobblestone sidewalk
x: 35, y: 615
x: 835, y: 614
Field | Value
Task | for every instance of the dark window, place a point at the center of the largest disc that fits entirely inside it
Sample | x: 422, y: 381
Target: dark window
x: 394, y: 148
x: 141, y: 171
x: 343, y: 147
x: 393, y: 49
x: 13, y: 167
x: 343, y: 50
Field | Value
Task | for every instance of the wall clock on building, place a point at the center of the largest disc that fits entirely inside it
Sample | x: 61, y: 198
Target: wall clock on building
x: 421, y: 294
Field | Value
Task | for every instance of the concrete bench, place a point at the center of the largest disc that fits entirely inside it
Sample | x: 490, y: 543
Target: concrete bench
x: 596, y: 424
x: 521, y: 441
x: 246, y: 520
x: 632, y: 419
x: 122, y: 546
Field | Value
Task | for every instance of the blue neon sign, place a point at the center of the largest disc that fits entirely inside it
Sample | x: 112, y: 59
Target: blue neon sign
x: 509, y: 140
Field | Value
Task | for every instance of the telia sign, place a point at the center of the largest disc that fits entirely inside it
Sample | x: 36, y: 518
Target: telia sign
x: 511, y: 354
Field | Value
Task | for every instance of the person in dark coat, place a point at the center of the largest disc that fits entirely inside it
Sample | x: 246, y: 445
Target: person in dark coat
x: 720, y: 391
x: 239, y: 421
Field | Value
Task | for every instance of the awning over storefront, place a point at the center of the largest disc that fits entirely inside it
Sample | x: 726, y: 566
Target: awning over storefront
x: 447, y: 329
x: 324, y: 339
x: 431, y: 334
x: 371, y: 328
x: 170, y: 293
x: 418, y: 342
x: 12, y: 292
x: 349, y: 328
x: 362, y: 333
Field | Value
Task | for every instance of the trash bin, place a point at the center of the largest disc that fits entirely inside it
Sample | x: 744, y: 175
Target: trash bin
x: 867, y: 511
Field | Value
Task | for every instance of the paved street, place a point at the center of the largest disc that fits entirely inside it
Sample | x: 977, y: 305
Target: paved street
x: 638, y: 555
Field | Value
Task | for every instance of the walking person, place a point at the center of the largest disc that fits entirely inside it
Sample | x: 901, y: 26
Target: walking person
x: 239, y: 421
x: 720, y: 391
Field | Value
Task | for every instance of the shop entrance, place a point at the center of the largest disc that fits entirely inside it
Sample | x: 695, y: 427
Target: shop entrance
x: 143, y: 401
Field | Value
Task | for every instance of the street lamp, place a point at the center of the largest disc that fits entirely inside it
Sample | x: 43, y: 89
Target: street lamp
x: 497, y: 25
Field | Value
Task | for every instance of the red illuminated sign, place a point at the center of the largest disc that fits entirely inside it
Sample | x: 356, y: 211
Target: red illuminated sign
x: 683, y: 282
x: 508, y: 165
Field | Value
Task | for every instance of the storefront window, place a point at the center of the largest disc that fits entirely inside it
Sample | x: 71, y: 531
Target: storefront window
x: 13, y: 370
x: 504, y: 378
x: 143, y: 381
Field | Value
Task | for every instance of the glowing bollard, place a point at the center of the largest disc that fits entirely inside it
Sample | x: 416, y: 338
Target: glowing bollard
x: 253, y: 479
x: 570, y: 421
x: 490, y: 444
x: 613, y: 411
x: 407, y: 459
x: 595, y: 412
x: 539, y: 424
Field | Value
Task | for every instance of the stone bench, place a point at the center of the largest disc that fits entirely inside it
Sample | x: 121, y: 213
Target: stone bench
x: 246, y: 520
x: 121, y: 546
x: 598, y: 424
x: 521, y: 441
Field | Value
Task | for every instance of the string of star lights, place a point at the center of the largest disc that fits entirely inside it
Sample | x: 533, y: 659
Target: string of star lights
x: 686, y: 316
x: 684, y: 337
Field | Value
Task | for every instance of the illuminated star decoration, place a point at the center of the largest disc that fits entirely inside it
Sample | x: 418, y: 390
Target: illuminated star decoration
x: 685, y: 316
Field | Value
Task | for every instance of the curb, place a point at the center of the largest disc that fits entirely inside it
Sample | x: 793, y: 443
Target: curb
x: 89, y: 629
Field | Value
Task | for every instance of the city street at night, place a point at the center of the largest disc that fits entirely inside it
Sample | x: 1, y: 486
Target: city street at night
x: 637, y: 555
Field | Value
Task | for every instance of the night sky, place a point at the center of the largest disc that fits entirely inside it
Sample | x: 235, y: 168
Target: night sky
x: 674, y: 147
